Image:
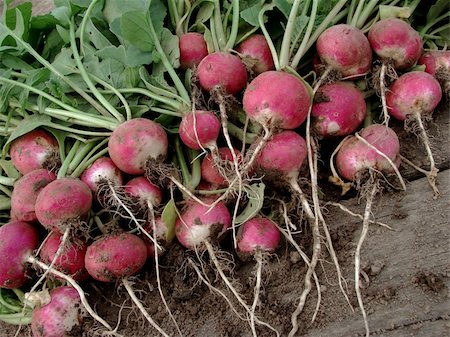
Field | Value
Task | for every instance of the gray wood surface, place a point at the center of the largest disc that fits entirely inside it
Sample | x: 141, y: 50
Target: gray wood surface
x: 408, y: 267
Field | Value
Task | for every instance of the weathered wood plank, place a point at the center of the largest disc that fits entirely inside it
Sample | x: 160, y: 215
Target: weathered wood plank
x: 408, y: 268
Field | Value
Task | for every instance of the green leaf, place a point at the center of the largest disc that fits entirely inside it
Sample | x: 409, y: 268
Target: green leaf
x: 439, y: 8
x: 114, y: 9
x: 64, y: 62
x: 255, y: 194
x: 130, y: 56
x: 8, y: 167
x: 135, y: 25
x: 18, y: 19
x: 29, y: 124
x: 170, y: 45
x: 94, y: 35
x: 169, y: 217
x: 284, y: 6
x: 250, y: 15
x: 14, y: 62
x: 205, y: 12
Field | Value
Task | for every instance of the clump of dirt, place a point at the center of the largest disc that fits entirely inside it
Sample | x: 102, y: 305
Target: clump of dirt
x: 430, y: 280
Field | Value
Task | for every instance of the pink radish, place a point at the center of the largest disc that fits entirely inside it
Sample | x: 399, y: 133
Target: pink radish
x: 282, y: 157
x: 18, y: 239
x: 213, y: 170
x: 338, y: 110
x: 35, y: 150
x: 395, y: 40
x: 101, y: 171
x: 414, y: 96
x: 135, y: 142
x: 63, y: 203
x: 256, y: 237
x: 222, y: 70
x: 60, y: 316
x: 144, y: 191
x: 115, y: 256
x: 198, y: 224
x: 71, y: 259
x: 199, y: 129
x: 277, y: 99
x: 258, y: 234
x: 25, y: 192
x: 437, y: 63
x: 346, y: 49
x: 415, y: 93
x: 355, y: 157
x: 256, y: 52
x: 193, y: 49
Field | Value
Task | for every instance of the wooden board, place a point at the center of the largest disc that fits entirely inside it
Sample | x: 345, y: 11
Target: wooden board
x: 408, y: 268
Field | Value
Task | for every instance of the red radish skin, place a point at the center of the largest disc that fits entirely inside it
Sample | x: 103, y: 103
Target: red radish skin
x: 160, y: 235
x: 258, y: 234
x: 395, y: 40
x: 116, y: 256
x: 199, y: 223
x: 257, y: 50
x: 224, y: 70
x: 355, y: 156
x: 144, y: 190
x: 414, y: 93
x: 63, y: 203
x: 437, y: 63
x: 282, y: 156
x: 193, y: 49
x: 60, y: 315
x: 199, y: 129
x: 277, y: 99
x: 25, y: 193
x: 34, y: 150
x: 102, y: 170
x: 338, y: 110
x: 18, y: 239
x: 71, y: 260
x: 210, y: 172
x: 346, y: 49
x: 133, y: 143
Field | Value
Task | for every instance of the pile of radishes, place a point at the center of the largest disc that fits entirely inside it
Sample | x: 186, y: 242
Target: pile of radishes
x: 215, y: 139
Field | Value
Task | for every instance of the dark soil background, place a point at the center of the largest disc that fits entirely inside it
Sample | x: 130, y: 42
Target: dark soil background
x: 405, y: 288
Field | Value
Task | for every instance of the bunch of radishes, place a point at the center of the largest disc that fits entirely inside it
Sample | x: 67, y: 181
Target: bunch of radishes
x: 189, y: 144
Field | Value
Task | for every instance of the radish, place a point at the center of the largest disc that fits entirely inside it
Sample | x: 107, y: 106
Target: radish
x: 199, y: 129
x: 356, y: 156
x: 414, y: 96
x: 70, y: 261
x: 144, y: 191
x: 134, y: 144
x: 398, y: 46
x: 193, y: 49
x: 255, y: 237
x: 25, y: 192
x: 375, y: 151
x: 282, y: 157
x: 394, y: 40
x: 222, y: 70
x: 63, y: 203
x: 258, y: 235
x: 256, y: 53
x: 437, y: 63
x: 277, y: 99
x: 338, y: 110
x: 346, y: 49
x: 18, y: 239
x: 60, y: 316
x: 117, y: 257
x: 102, y: 170
x: 199, y: 224
x: 35, y: 150
x: 218, y: 171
